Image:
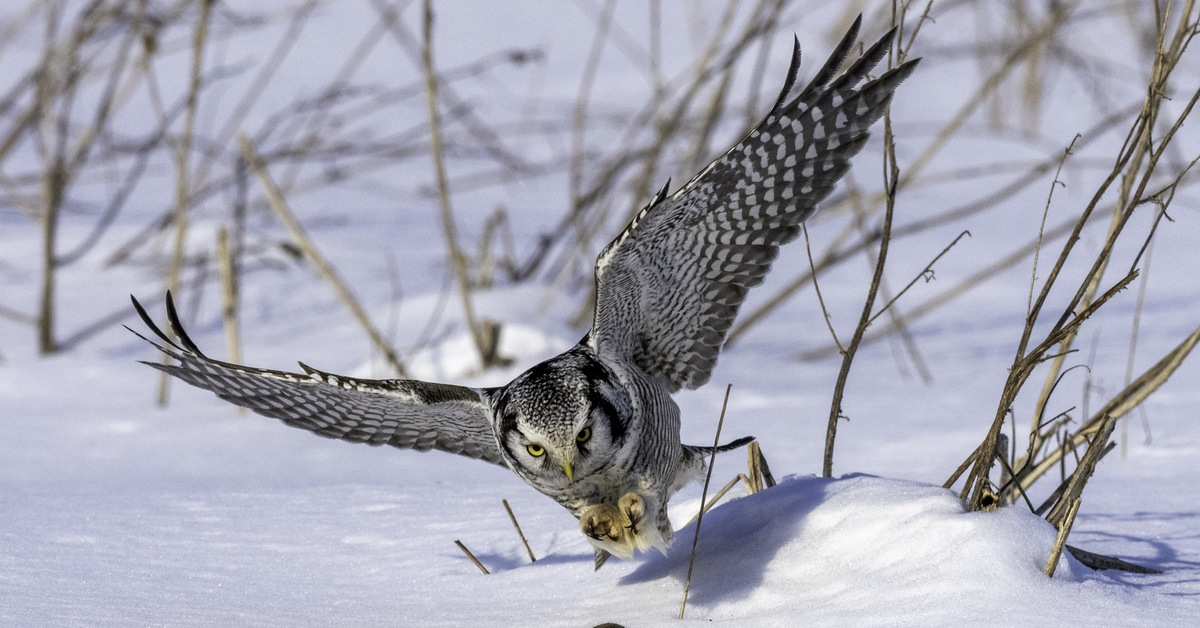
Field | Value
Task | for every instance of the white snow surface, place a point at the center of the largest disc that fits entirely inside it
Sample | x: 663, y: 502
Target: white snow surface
x: 118, y: 513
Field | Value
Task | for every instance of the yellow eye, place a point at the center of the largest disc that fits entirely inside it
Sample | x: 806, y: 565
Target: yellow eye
x: 584, y: 435
x: 535, y: 450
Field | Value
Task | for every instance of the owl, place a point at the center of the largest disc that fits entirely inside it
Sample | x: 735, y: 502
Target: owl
x: 595, y: 428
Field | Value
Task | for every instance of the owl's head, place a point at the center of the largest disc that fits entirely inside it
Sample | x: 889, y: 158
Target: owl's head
x: 561, y: 421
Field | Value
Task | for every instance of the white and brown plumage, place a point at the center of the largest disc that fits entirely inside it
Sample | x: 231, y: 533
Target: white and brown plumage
x: 595, y: 427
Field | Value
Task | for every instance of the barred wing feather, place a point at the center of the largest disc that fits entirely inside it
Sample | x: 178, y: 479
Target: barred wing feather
x: 408, y: 414
x: 670, y: 285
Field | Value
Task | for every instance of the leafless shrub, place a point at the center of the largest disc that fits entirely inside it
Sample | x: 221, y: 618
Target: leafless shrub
x: 1146, y: 182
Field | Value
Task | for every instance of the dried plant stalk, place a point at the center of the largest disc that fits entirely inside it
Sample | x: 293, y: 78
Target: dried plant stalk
x: 182, y: 175
x: 712, y: 460
x: 1116, y: 408
x: 521, y: 534
x: 1061, y: 539
x: 1136, y: 156
x: 754, y: 482
x: 53, y: 180
x: 324, y: 268
x: 229, y: 304
x: 891, y: 178
x: 710, y: 504
x: 472, y: 557
x: 486, y: 334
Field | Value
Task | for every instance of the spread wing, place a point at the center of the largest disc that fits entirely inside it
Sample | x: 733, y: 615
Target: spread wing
x: 403, y: 413
x: 669, y: 286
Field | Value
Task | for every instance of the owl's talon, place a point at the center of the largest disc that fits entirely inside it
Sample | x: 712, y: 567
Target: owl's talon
x: 632, y: 508
x: 602, y: 523
x: 618, y: 529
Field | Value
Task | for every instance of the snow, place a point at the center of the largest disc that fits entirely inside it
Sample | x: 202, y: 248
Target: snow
x: 821, y: 551
x: 117, y: 512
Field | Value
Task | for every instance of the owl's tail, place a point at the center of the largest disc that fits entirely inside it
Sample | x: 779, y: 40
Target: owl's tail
x: 730, y: 446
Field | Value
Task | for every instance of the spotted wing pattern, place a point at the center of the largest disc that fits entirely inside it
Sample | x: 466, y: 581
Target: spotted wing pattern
x: 669, y: 286
x: 403, y: 413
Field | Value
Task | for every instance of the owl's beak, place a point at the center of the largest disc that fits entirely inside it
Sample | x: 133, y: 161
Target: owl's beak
x: 566, y: 465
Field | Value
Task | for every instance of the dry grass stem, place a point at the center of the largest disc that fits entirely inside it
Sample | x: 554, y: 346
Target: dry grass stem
x: 229, y: 304
x: 891, y: 178
x: 712, y: 460
x: 183, y: 175
x: 1061, y: 539
x: 817, y: 288
x: 926, y: 274
x: 471, y: 556
x: 710, y: 504
x: 1117, y: 407
x: 279, y: 205
x: 754, y: 482
x: 521, y: 534
x: 485, y: 343
x: 1135, y: 328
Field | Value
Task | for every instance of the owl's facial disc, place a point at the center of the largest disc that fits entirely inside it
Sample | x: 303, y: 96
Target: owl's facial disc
x: 558, y: 422
x: 550, y: 453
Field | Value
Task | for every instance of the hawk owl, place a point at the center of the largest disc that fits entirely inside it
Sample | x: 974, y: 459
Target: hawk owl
x: 595, y: 428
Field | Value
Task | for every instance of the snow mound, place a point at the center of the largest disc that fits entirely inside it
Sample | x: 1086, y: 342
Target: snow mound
x: 886, y: 552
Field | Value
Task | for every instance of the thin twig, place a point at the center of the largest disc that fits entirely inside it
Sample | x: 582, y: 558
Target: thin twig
x: 182, y: 180
x: 229, y: 303
x: 471, y: 556
x: 516, y: 525
x: 835, y: 253
x: 324, y: 268
x: 891, y: 179
x: 817, y: 287
x: 707, y: 506
x: 926, y: 272
x: 1042, y: 227
x: 712, y: 461
x: 897, y: 320
x: 458, y: 260
x: 932, y: 304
